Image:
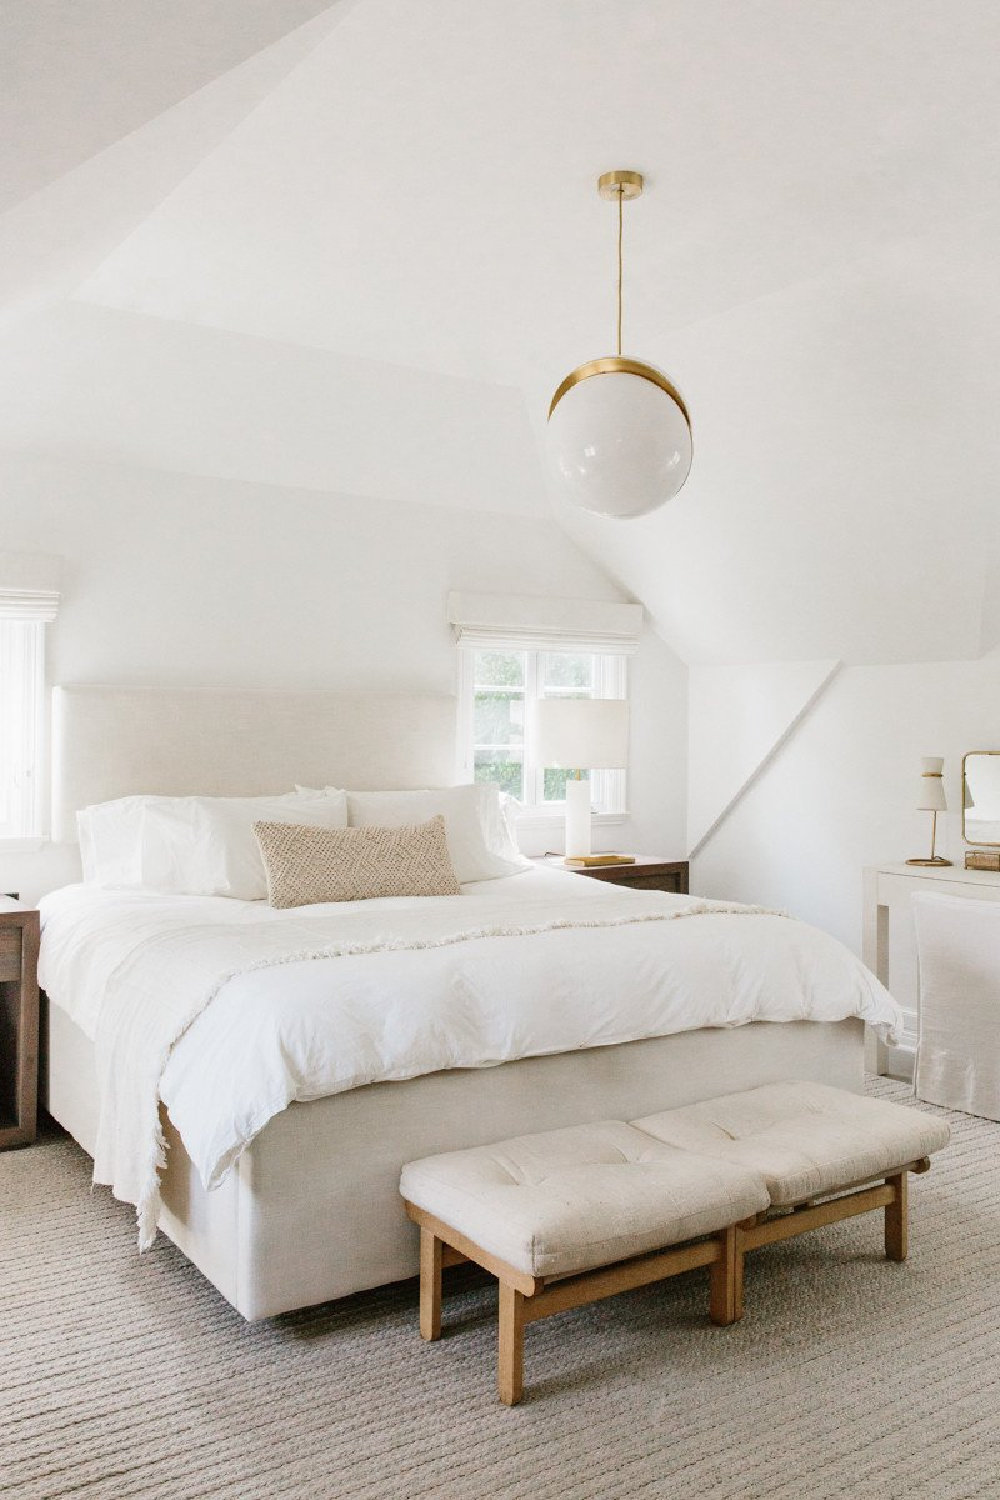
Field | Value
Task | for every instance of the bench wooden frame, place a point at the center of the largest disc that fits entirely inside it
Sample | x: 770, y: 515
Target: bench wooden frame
x: 525, y: 1298
x: 784, y: 1223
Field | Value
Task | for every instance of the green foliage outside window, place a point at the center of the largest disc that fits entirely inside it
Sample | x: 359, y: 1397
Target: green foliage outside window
x: 507, y: 774
x: 499, y: 669
x: 499, y: 718
x: 561, y: 669
x: 555, y: 783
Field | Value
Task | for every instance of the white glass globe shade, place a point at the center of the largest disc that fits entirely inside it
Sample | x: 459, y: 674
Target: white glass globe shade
x: 619, y: 442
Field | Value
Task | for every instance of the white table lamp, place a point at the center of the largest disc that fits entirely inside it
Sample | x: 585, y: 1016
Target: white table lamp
x: 931, y: 798
x: 581, y: 734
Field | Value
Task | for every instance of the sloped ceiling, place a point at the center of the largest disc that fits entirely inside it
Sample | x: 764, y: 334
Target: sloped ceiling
x: 56, y: 109
x: 76, y: 78
x: 196, y: 400
x: 354, y: 200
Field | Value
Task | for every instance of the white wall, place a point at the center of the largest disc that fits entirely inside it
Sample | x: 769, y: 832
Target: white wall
x: 193, y: 581
x: 840, y: 793
x: 737, y: 718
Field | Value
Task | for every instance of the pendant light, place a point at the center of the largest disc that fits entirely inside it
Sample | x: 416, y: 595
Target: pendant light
x: 619, y: 432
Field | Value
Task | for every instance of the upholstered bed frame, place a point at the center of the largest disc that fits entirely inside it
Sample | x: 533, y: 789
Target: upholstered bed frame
x: 312, y: 1210
x: 116, y: 741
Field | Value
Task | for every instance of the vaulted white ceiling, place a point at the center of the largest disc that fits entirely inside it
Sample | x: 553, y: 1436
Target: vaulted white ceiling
x: 386, y: 211
x: 76, y: 78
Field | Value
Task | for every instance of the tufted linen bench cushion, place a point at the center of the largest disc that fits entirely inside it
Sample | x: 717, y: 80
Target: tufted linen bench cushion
x: 567, y: 1200
x: 804, y: 1139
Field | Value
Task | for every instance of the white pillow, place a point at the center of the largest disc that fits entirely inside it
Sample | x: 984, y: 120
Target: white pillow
x: 479, y: 840
x: 198, y: 846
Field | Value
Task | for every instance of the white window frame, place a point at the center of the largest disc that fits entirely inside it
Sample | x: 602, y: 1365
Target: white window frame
x: 22, y: 725
x: 610, y: 788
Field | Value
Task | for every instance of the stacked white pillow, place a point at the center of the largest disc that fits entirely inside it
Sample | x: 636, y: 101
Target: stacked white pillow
x: 205, y: 846
x: 199, y: 846
x: 479, y: 840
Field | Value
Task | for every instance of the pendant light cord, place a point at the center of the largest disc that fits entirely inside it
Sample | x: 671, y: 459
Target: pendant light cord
x: 621, y: 200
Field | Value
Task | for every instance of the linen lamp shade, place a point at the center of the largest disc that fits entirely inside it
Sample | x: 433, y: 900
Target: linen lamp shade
x: 581, y: 734
x: 931, y: 796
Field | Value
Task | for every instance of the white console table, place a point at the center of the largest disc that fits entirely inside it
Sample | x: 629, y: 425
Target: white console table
x: 890, y: 951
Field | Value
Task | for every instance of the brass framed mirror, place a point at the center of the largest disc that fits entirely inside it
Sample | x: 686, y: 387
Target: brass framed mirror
x: 981, y: 797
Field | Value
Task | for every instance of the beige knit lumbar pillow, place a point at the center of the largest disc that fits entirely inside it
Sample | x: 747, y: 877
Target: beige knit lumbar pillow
x: 307, y: 865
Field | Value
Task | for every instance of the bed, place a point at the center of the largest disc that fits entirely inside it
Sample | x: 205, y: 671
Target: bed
x: 304, y: 1205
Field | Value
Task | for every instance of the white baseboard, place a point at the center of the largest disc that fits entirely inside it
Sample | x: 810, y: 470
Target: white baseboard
x: 899, y: 1060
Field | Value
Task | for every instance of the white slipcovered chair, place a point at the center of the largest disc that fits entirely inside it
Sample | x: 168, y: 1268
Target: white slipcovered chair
x: 958, y: 1053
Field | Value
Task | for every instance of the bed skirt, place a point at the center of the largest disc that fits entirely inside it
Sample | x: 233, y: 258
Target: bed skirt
x: 312, y: 1211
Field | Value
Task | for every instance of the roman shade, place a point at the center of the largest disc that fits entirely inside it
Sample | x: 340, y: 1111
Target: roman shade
x: 518, y: 622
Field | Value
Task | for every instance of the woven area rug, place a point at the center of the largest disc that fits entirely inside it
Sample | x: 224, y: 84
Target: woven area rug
x: 849, y: 1377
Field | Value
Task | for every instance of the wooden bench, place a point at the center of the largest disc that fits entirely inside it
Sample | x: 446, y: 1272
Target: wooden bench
x: 825, y: 1155
x: 571, y: 1216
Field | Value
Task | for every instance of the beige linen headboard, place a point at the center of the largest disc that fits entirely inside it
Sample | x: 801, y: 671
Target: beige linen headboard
x: 115, y: 741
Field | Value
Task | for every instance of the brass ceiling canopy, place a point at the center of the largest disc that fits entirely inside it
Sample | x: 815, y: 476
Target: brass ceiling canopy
x: 621, y: 185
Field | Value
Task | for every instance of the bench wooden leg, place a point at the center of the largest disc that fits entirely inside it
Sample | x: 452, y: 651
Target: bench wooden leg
x: 510, y: 1368
x: 430, y: 1284
x: 722, y: 1280
x: 739, y: 1270
x: 897, y: 1219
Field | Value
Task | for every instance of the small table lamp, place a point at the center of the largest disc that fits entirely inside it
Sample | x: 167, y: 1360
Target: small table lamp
x: 932, y: 799
x: 581, y: 734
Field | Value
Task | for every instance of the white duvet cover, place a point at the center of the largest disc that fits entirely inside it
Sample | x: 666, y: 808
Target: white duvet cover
x: 227, y: 1010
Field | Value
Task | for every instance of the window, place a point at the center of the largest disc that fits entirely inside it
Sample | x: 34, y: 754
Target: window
x: 499, y: 689
x: 22, y: 698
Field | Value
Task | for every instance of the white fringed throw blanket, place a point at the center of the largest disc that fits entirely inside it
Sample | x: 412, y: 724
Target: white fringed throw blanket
x: 227, y: 1011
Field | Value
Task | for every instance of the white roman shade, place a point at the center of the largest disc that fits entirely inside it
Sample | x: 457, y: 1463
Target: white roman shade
x: 22, y: 604
x: 29, y: 586
x: 519, y: 622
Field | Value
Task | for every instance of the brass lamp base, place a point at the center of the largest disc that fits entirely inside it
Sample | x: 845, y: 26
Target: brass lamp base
x: 935, y: 859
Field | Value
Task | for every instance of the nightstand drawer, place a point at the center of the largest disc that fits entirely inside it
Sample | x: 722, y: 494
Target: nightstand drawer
x: 18, y: 1024
x: 654, y: 883
x: 645, y: 872
x: 10, y: 953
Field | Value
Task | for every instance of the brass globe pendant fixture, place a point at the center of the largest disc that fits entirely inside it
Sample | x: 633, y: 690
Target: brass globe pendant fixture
x: 619, y: 432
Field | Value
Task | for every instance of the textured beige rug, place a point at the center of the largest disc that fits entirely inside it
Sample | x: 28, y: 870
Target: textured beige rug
x: 849, y: 1377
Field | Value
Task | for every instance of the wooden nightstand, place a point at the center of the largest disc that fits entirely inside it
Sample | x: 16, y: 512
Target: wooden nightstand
x: 649, y: 873
x: 18, y: 1023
